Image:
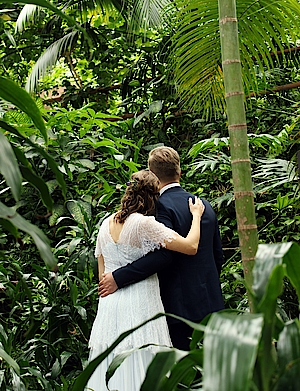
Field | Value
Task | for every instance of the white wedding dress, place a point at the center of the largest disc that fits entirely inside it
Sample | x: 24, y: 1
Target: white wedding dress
x: 129, y: 306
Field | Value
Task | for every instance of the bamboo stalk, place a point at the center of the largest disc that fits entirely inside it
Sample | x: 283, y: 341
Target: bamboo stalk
x: 239, y: 148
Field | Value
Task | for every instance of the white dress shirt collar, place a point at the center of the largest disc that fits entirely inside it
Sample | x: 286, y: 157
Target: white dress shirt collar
x: 163, y: 189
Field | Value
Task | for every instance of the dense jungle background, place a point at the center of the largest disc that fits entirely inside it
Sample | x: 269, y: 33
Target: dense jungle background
x: 107, y: 94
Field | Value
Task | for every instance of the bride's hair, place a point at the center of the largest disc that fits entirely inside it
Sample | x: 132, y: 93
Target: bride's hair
x: 140, y: 196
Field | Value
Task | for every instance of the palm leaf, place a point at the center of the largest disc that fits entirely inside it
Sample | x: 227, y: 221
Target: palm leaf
x: 273, y: 173
x: 145, y: 14
x: 49, y: 58
x: 197, y: 50
x: 27, y: 15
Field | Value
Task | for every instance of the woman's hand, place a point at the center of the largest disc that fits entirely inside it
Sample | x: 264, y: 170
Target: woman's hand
x: 197, y: 208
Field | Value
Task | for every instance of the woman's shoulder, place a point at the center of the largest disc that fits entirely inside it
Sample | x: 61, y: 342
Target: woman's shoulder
x: 141, y: 217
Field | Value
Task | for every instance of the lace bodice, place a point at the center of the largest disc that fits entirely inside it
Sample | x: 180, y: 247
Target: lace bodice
x: 140, y: 235
x: 132, y: 305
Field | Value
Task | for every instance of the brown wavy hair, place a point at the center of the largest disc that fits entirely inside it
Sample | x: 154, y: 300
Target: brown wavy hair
x: 140, y: 196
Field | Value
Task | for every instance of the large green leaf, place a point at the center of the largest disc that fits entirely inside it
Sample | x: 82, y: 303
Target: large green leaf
x: 230, y: 349
x: 9, y: 167
x: 9, y: 360
x: 268, y: 257
x: 32, y: 178
x: 177, y: 364
x: 288, y: 348
x: 40, y: 150
x: 38, y: 236
x: 39, y: 184
x: 159, y: 368
x: 82, y: 379
x: 164, y: 360
x: 11, y: 92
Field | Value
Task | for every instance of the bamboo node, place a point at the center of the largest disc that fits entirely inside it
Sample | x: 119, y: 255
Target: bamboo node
x: 233, y: 93
x: 237, y: 126
x: 247, y: 227
x: 240, y: 194
x: 248, y: 259
x: 225, y: 20
x: 226, y: 62
x: 240, y: 161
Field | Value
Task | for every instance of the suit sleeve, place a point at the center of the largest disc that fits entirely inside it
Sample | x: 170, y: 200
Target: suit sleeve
x: 142, y: 268
x: 218, y: 252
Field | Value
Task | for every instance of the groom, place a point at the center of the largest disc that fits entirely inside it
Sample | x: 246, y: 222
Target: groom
x: 189, y: 285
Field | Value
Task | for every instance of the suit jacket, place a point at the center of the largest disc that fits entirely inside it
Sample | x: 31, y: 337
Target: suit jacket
x: 189, y: 285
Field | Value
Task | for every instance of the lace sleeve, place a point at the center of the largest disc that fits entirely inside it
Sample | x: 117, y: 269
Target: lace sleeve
x: 153, y: 234
x: 98, y: 250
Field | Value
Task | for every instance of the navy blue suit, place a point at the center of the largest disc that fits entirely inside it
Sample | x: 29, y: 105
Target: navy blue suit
x: 189, y: 285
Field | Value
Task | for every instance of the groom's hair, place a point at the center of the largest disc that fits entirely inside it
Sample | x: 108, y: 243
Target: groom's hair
x: 165, y: 163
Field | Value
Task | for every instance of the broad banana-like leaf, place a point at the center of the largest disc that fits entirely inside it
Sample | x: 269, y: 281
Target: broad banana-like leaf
x: 288, y: 348
x: 270, y: 256
x: 230, y: 348
x: 11, y: 92
x: 9, y: 167
x: 38, y: 236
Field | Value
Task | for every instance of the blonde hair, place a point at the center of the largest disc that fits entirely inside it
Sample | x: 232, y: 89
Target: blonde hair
x: 140, y: 196
x: 165, y: 163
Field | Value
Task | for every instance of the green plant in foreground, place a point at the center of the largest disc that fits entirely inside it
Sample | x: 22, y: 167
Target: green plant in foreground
x: 234, y: 351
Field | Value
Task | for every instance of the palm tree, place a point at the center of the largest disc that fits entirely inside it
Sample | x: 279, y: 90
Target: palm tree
x: 216, y: 64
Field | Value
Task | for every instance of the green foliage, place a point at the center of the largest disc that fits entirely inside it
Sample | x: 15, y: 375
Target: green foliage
x: 225, y: 339
x: 70, y: 163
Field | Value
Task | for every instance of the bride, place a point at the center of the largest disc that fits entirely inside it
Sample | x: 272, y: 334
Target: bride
x: 124, y: 237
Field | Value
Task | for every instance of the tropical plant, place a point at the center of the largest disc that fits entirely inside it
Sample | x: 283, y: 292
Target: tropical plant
x: 20, y: 168
x: 233, y: 351
x: 197, y: 46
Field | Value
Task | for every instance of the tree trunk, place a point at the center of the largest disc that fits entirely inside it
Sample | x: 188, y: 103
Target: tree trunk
x: 240, y: 159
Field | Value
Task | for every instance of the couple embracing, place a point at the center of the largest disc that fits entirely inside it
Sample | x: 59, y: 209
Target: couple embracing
x: 145, y: 277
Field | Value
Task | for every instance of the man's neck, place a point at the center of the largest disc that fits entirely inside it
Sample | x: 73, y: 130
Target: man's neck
x: 168, y: 185
x: 163, y: 184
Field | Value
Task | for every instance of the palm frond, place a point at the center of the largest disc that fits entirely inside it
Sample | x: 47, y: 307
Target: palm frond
x: 145, y: 14
x: 26, y: 16
x: 265, y: 27
x: 272, y: 173
x: 49, y: 58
